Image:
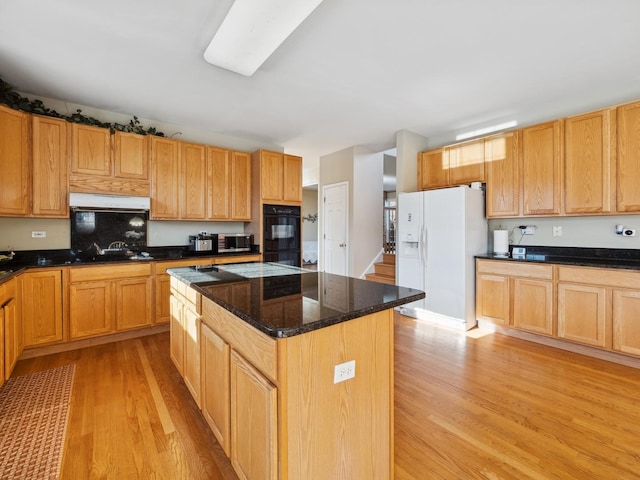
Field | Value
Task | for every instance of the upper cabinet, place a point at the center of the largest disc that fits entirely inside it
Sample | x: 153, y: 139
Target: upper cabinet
x: 14, y: 163
x: 280, y: 177
x: 628, y: 158
x: 193, y: 181
x: 229, y: 184
x: 433, y: 169
x: 165, y: 188
x: 50, y: 176
x: 588, y: 175
x: 541, y: 160
x: 502, y: 174
x: 458, y: 164
x: 106, y: 163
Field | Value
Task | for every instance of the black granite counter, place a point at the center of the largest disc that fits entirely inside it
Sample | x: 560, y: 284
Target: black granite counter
x: 577, y: 256
x: 309, y: 300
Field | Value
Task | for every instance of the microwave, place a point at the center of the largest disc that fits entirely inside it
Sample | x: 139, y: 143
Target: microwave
x: 234, y: 242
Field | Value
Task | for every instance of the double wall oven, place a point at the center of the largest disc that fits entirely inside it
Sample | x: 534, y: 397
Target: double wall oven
x: 281, y: 234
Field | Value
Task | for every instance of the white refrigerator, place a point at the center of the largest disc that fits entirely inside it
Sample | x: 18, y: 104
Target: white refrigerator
x: 439, y: 233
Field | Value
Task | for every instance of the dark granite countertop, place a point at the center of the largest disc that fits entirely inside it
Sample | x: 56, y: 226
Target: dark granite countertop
x: 576, y: 256
x: 284, y: 301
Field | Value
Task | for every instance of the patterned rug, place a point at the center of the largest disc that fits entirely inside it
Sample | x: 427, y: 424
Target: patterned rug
x: 34, y: 410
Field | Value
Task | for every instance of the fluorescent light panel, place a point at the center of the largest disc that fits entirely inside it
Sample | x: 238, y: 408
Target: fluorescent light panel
x: 487, y: 130
x: 253, y: 30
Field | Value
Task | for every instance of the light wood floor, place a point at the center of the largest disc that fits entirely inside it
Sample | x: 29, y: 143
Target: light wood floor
x: 493, y: 408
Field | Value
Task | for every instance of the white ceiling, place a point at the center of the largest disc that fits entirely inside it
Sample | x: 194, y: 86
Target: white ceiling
x: 355, y: 73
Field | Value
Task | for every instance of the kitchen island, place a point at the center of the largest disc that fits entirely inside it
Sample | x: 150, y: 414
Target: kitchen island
x: 293, y: 369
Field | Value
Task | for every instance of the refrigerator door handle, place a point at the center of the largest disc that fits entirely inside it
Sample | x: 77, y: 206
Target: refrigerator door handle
x: 425, y: 246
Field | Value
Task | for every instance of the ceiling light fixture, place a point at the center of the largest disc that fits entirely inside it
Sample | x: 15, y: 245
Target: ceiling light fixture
x: 486, y: 130
x: 253, y: 30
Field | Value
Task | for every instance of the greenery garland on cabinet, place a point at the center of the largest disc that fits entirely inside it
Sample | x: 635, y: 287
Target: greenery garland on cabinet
x: 13, y: 99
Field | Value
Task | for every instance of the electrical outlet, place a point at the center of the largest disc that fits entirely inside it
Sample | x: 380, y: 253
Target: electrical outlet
x: 38, y: 234
x: 557, y: 231
x: 344, y: 371
x: 528, y: 230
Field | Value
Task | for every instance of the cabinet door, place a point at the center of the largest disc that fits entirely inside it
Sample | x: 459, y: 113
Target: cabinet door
x: 466, y: 163
x: 193, y: 181
x: 271, y: 176
x: 492, y: 298
x: 503, y: 175
x: 131, y: 156
x: 588, y: 182
x: 584, y: 314
x: 14, y: 155
x: 253, y: 422
x: 2, y: 347
x: 292, y: 179
x: 628, y: 158
x: 163, y: 294
x: 12, y: 337
x: 626, y: 321
x: 433, y: 169
x: 90, y: 150
x: 177, y: 333
x: 41, y: 293
x: 91, y: 308
x: 218, y: 172
x: 50, y: 185
x: 192, y: 352
x: 165, y: 182
x: 541, y: 159
x: 216, y: 386
x: 240, y: 184
x: 133, y: 303
x: 533, y: 308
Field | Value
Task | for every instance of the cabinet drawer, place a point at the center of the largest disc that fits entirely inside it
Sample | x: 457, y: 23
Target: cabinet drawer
x: 255, y: 346
x: 515, y: 269
x: 114, y: 271
x: 607, y: 277
x: 188, y: 294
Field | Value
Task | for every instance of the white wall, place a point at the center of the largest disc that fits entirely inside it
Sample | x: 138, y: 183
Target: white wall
x: 408, y: 145
x: 309, y: 207
x: 594, y: 232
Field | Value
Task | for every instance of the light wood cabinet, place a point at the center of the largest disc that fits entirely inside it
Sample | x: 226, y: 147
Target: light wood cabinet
x: 15, y: 155
x: 90, y: 150
x: 433, y: 169
x: 541, y: 160
x: 165, y: 171
x: 131, y: 156
x: 105, y: 299
x: 229, y: 185
x: 466, y: 162
x: 193, y: 181
x: 628, y: 158
x: 584, y: 314
x: 280, y: 177
x: 589, y: 175
x: 50, y: 168
x: 626, y: 321
x: 11, y: 327
x: 520, y: 295
x: 254, y: 424
x: 502, y: 173
x: 41, y: 299
x: 216, y: 386
x: 176, y: 351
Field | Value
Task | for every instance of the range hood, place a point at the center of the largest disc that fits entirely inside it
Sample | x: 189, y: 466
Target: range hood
x: 96, y: 200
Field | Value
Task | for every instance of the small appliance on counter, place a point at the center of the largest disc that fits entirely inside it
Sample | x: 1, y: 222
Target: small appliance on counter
x: 203, y: 242
x: 234, y: 242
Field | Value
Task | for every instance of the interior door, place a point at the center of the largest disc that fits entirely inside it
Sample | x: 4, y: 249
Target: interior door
x: 335, y: 225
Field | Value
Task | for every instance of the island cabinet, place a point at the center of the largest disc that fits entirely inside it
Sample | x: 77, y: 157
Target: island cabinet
x: 110, y: 298
x: 502, y: 174
x: 279, y: 177
x: 41, y: 301
x: 541, y: 159
x: 589, y: 168
x: 277, y: 408
x: 16, y: 156
x: 106, y: 163
x: 628, y: 158
x: 10, y: 327
x: 520, y: 295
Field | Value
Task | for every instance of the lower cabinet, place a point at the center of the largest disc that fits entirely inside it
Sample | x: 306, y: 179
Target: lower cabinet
x: 41, y: 301
x: 11, y: 328
x: 599, y: 307
x: 106, y: 299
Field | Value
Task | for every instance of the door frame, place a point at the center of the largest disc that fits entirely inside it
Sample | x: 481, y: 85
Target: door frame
x: 321, y: 235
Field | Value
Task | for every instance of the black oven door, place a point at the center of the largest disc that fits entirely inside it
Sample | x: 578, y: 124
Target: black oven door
x: 281, y: 234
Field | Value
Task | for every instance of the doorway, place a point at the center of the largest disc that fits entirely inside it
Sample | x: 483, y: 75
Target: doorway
x: 335, y: 223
